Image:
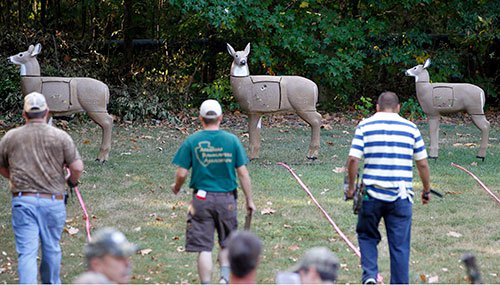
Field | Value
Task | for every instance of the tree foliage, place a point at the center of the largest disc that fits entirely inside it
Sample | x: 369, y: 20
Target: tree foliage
x: 159, y: 56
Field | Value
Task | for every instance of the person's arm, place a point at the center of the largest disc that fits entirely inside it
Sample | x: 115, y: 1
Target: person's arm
x: 76, y: 170
x: 424, y: 173
x: 4, y: 165
x: 352, y: 172
x: 5, y: 172
x: 180, y: 177
x: 246, y: 185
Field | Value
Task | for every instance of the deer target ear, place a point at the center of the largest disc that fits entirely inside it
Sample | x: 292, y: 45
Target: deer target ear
x: 427, y: 63
x: 36, y: 50
x: 231, y: 50
x: 247, y: 49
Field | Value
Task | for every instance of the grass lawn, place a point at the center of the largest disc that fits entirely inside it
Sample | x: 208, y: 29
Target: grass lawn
x: 131, y: 192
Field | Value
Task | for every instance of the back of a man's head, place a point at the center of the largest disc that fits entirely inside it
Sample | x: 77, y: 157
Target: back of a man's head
x: 244, y: 250
x: 35, y: 105
x: 388, y: 101
x: 108, y: 258
x: 210, y: 111
x: 109, y: 241
x: 322, y: 260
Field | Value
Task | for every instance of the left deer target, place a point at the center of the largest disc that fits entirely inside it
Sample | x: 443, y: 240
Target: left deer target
x: 67, y: 95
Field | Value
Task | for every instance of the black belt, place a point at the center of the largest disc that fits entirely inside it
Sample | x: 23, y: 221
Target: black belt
x: 233, y: 192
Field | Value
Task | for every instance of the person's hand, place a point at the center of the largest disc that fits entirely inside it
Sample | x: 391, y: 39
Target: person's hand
x: 174, y: 189
x: 349, y: 195
x: 250, y: 206
x: 72, y: 184
x: 426, y: 197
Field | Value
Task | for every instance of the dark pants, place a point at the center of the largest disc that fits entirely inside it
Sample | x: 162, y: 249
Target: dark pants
x: 397, y: 218
x: 217, y: 212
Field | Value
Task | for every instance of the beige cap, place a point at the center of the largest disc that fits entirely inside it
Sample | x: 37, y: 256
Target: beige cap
x: 34, y: 103
x: 210, y: 109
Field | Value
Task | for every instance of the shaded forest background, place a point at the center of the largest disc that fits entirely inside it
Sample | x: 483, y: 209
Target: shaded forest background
x: 162, y: 56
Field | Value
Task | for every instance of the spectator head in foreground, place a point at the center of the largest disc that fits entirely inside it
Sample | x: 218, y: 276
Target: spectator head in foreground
x: 244, y: 250
x: 108, y: 258
x: 317, y: 265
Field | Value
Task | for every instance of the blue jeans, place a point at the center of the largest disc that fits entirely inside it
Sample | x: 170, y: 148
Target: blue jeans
x: 397, y: 218
x: 36, y: 218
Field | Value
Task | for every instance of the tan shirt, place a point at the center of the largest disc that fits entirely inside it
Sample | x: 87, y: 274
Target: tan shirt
x: 35, y: 155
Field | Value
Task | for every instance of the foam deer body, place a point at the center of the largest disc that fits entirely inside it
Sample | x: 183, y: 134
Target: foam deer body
x: 445, y: 98
x: 67, y: 95
x: 261, y: 94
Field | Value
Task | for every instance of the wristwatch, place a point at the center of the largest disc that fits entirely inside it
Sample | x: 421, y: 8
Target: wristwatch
x: 426, y: 194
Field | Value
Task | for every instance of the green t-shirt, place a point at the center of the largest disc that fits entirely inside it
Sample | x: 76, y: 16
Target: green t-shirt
x: 213, y: 157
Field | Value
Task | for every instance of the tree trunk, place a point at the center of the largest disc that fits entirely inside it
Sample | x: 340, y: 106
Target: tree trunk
x: 34, y: 10
x: 84, y: 17
x: 355, y: 8
x: 20, y: 12
x: 57, y: 18
x: 4, y: 17
x: 43, y: 12
x: 127, y: 28
x: 95, y: 17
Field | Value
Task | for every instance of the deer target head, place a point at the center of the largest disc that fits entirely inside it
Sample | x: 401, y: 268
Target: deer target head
x: 416, y: 70
x: 239, y: 57
x: 25, y: 56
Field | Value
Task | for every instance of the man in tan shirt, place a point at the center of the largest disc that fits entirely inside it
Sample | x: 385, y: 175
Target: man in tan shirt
x: 34, y: 157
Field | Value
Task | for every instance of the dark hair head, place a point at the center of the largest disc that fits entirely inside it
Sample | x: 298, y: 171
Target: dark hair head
x: 388, y: 101
x: 244, y: 250
x: 328, y: 275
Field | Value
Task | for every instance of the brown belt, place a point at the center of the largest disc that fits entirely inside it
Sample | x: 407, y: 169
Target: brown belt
x: 40, y: 195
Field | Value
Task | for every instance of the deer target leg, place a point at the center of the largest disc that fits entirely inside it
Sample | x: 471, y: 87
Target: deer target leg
x: 105, y: 121
x: 50, y: 119
x: 313, y: 118
x: 434, y: 136
x: 254, y: 126
x: 482, y: 124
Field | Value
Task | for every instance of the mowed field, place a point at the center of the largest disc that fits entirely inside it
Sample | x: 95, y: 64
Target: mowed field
x: 131, y: 192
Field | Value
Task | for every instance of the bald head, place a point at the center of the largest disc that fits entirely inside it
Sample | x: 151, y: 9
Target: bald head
x: 388, y: 102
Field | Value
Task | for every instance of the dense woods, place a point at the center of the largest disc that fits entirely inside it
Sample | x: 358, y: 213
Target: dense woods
x: 162, y: 56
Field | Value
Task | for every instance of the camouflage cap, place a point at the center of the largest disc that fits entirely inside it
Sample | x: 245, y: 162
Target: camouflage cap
x: 35, y: 102
x: 109, y: 241
x: 320, y: 258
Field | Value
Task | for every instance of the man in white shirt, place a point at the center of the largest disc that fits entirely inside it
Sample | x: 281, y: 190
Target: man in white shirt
x: 389, y: 144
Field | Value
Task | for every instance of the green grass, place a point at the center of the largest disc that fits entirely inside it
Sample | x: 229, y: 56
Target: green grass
x: 131, y: 192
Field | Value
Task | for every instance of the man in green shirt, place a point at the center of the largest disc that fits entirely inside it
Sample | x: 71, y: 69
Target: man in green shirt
x: 213, y: 155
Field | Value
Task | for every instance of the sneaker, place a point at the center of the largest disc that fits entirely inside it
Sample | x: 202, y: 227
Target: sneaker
x: 223, y: 280
x: 370, y: 281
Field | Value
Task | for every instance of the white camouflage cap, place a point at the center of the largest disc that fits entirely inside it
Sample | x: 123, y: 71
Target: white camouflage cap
x: 34, y: 103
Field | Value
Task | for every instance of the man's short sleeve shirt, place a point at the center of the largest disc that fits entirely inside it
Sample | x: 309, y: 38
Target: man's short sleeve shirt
x: 213, y: 156
x: 389, y: 144
x: 35, y: 154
